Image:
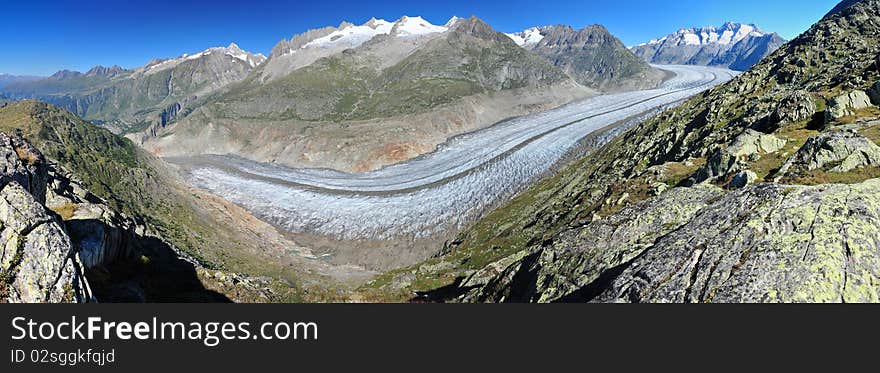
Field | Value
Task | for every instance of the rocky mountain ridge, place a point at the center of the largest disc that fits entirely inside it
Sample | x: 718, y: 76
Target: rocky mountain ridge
x: 130, y: 100
x: 592, y: 56
x: 734, y: 45
x: 449, y: 79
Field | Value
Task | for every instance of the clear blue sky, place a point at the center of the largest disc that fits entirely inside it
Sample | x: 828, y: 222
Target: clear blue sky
x: 41, y: 37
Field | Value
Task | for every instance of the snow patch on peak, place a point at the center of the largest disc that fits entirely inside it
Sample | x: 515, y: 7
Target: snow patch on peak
x: 232, y: 50
x: 452, y: 21
x: 729, y: 33
x: 528, y: 37
x: 352, y: 36
x: 407, y: 26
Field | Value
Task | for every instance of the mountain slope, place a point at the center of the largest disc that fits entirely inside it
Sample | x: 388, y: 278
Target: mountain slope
x: 130, y: 100
x: 218, y: 234
x: 733, y: 45
x: 681, y: 244
x: 364, y: 99
x: 591, y: 56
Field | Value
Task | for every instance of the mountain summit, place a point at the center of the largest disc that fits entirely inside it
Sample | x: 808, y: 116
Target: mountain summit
x: 592, y: 56
x: 406, y: 85
x: 734, y: 45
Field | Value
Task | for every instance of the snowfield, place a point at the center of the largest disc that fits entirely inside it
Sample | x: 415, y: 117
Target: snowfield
x: 440, y: 191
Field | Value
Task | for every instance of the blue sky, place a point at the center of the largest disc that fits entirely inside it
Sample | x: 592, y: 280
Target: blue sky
x: 41, y: 37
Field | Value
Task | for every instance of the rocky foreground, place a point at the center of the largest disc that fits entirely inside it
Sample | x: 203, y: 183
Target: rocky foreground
x: 763, y: 189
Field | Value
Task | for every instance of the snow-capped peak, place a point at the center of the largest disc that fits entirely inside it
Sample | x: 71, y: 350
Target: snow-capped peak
x: 729, y: 33
x: 232, y: 50
x: 352, y: 36
x: 452, y: 21
x: 528, y: 37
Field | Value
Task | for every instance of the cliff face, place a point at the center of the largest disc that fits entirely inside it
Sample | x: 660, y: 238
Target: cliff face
x: 37, y: 263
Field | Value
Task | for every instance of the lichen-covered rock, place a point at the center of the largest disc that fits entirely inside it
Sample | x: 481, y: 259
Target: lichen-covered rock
x: 832, y: 151
x: 796, y: 107
x: 748, y: 146
x: 38, y: 263
x: 22, y: 163
x: 579, y: 257
x: 764, y: 243
x: 846, y: 105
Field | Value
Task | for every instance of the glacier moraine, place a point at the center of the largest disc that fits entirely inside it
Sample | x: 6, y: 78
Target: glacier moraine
x: 439, y: 191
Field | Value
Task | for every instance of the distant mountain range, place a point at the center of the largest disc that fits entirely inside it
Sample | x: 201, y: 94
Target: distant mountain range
x: 128, y: 100
x: 450, y: 79
x: 7, y: 79
x: 734, y: 45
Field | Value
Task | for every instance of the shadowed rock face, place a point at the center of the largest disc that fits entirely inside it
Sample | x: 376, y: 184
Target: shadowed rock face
x: 37, y: 262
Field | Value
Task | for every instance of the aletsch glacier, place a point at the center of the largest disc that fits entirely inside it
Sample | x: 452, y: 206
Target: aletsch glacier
x: 440, y: 191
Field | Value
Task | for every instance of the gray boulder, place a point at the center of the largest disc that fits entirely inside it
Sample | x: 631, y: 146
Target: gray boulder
x: 834, y: 151
x: 748, y: 146
x: 846, y: 104
x: 23, y: 164
x: 794, y: 108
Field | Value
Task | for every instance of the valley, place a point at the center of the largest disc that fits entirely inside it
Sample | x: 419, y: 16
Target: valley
x: 431, y: 197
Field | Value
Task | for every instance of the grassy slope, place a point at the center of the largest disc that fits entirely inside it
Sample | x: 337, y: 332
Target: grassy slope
x: 342, y: 87
x: 137, y: 184
x: 690, y: 131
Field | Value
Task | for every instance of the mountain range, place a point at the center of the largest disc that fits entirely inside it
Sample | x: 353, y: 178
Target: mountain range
x: 359, y: 88
x: 129, y: 100
x: 591, y: 56
x: 734, y: 45
x: 378, y: 77
x: 762, y: 189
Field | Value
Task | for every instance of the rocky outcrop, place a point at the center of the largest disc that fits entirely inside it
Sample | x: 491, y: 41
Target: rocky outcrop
x: 765, y: 243
x: 37, y: 262
x: 846, y: 105
x: 748, y: 146
x: 833, y: 151
x: 23, y: 164
x: 796, y: 107
x: 101, y: 235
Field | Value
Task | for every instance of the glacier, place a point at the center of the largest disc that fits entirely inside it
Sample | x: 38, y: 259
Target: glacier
x: 441, y: 191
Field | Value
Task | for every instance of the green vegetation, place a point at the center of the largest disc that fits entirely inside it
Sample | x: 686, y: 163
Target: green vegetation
x: 692, y: 130
x: 135, y: 183
x: 345, y: 88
